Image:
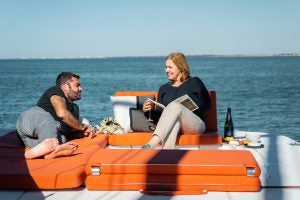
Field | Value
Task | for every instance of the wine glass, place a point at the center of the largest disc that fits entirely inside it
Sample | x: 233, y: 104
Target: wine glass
x: 149, y: 116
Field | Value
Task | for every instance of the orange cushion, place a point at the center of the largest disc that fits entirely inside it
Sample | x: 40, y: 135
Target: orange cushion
x: 136, y: 93
x: 183, y: 184
x: 99, y: 140
x: 63, y: 172
x: 209, y: 138
x: 10, y: 140
x: 211, y: 115
x: 125, y: 169
x: 141, y: 138
x: 130, y: 139
x: 173, y: 161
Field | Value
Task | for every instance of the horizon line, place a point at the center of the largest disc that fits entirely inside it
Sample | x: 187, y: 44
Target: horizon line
x: 188, y: 55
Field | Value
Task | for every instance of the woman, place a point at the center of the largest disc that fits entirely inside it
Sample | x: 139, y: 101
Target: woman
x: 176, y: 118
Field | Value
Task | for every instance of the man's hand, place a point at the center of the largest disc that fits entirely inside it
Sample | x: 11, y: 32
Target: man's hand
x: 89, y: 132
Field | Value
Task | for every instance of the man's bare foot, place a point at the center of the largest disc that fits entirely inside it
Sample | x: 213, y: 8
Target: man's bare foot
x: 41, y: 149
x: 62, y: 150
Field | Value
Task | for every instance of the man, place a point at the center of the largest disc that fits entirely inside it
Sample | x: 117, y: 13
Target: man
x: 46, y: 127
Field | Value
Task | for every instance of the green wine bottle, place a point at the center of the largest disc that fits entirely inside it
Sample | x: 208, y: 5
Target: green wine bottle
x: 228, y: 126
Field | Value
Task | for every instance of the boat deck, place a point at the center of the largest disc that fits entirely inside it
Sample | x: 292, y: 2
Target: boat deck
x: 278, y: 159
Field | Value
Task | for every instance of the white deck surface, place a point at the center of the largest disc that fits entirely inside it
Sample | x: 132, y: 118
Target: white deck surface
x: 279, y: 161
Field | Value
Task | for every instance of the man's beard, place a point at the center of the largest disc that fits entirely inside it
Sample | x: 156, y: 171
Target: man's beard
x: 75, y: 96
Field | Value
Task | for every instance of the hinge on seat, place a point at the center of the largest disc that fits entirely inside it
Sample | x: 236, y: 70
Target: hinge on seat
x: 250, y: 171
x: 96, y: 170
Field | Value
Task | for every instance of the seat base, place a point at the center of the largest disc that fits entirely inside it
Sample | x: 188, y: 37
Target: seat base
x: 154, y: 169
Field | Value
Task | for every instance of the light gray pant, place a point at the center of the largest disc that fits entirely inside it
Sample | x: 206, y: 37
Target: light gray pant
x: 176, y: 117
x: 35, y: 125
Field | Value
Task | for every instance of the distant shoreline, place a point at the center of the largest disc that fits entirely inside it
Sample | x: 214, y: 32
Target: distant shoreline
x: 203, y: 55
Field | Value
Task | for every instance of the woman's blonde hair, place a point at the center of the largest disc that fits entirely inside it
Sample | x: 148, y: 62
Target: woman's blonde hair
x: 180, y: 61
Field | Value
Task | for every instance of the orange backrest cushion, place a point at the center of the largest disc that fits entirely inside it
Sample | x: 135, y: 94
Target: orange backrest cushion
x: 210, y: 115
x: 136, y: 93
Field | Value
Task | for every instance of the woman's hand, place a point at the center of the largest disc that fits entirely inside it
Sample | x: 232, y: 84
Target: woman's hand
x: 147, y: 105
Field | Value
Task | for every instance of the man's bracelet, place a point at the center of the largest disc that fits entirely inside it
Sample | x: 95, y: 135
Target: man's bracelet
x: 85, y: 128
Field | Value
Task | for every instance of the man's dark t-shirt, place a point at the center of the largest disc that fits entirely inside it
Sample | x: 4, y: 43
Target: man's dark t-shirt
x: 45, y: 103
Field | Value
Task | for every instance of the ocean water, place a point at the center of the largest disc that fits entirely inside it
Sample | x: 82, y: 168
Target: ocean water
x: 263, y: 92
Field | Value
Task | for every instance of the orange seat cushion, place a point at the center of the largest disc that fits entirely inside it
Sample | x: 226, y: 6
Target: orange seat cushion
x: 141, y: 138
x: 187, y: 184
x: 63, y: 172
x: 173, y: 161
x: 209, y: 138
x: 135, y: 169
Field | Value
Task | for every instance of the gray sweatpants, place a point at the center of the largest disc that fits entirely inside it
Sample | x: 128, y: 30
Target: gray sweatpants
x: 176, y: 117
x: 35, y: 125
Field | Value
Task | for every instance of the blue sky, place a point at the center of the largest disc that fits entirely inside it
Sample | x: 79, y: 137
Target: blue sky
x: 73, y: 28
